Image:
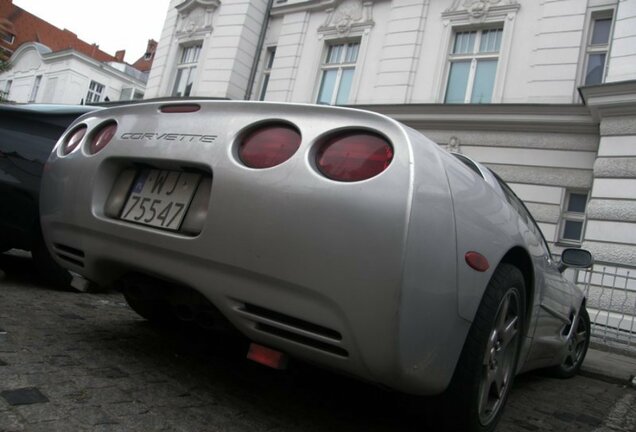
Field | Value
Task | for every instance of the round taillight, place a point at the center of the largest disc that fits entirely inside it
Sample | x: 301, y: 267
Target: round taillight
x: 269, y: 146
x: 102, y: 137
x: 73, y: 140
x: 354, y: 156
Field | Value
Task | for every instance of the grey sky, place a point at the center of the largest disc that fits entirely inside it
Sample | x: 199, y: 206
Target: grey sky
x: 112, y: 24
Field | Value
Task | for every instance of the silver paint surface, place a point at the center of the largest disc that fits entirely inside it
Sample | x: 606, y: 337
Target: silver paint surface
x: 380, y: 261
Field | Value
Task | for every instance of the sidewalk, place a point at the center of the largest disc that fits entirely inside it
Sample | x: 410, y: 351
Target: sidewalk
x: 610, y: 366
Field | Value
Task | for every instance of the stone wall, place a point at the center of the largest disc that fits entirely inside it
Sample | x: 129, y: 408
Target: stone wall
x: 611, y: 216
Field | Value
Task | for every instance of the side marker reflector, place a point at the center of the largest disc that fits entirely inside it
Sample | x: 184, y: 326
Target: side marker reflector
x: 267, y: 356
x: 477, y: 261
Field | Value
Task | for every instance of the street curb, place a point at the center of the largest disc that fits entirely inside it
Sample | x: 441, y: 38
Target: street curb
x: 608, y: 378
x: 609, y: 366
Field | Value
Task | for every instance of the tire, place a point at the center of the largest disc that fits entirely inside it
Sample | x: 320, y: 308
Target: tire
x: 578, y: 341
x: 48, y: 270
x: 484, y: 374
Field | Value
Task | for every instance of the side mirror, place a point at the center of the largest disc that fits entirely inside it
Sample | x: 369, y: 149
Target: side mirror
x: 578, y: 258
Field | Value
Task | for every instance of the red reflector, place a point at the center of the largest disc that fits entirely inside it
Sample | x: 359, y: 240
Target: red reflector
x: 267, y: 356
x: 354, y: 156
x: 477, y: 261
x: 269, y: 146
x: 103, y: 137
x: 180, y: 108
x: 73, y: 141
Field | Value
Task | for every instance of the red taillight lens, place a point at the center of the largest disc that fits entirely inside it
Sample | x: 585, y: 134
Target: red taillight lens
x: 73, y: 140
x: 269, y: 146
x: 102, y: 137
x: 354, y: 156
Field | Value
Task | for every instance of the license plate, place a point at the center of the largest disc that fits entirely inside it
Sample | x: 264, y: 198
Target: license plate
x: 160, y: 198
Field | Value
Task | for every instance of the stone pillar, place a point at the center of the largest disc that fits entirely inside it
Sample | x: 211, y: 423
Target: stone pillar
x: 401, y: 51
x: 610, y: 231
x: 228, y: 33
x: 622, y: 57
x: 290, y: 44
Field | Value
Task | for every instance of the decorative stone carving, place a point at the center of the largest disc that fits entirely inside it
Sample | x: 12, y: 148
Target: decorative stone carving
x: 347, y: 15
x: 195, y: 16
x: 479, y: 9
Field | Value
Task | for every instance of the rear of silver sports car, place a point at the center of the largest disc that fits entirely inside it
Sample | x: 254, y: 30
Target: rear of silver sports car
x: 324, y: 233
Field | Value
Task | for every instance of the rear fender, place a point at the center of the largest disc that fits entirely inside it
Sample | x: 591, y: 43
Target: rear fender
x: 484, y: 223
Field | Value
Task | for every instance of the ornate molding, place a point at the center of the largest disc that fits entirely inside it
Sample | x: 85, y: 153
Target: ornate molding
x: 567, y: 118
x: 195, y: 17
x: 481, y: 10
x: 610, y: 99
x: 348, y: 16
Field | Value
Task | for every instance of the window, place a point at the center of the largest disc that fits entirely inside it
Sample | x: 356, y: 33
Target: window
x: 147, y: 56
x: 126, y: 93
x: 269, y: 61
x: 95, y: 91
x: 337, y: 73
x: 469, y: 163
x: 573, y: 217
x: 597, y: 48
x: 36, y: 87
x: 473, y: 66
x: 8, y: 38
x: 186, y: 70
x: 7, y: 89
x: 129, y: 93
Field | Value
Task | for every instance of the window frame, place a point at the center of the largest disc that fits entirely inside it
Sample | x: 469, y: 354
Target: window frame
x: 589, y: 49
x: 567, y: 216
x: 459, y: 17
x: 8, y: 38
x: 7, y: 89
x: 339, y: 67
x: 473, y: 58
x: 92, y: 95
x: 37, y: 82
x: 270, y: 57
x: 184, y: 64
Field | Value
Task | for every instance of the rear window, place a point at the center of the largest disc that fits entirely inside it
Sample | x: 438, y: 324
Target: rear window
x: 470, y: 164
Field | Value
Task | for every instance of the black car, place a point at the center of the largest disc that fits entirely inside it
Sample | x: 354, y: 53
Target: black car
x: 27, y: 135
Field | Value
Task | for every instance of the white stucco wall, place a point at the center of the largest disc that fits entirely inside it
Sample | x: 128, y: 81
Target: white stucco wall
x: 66, y: 76
x: 228, y: 42
x: 622, y: 61
x: 404, y: 47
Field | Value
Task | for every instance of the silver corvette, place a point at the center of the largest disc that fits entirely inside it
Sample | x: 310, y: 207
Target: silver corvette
x: 333, y: 235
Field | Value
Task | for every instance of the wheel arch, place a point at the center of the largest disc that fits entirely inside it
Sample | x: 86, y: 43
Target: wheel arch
x: 519, y: 257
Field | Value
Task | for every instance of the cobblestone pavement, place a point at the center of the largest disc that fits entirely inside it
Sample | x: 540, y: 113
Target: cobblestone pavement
x: 72, y: 361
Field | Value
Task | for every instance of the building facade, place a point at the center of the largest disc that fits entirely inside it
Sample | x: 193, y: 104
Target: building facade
x: 52, y: 65
x: 39, y: 75
x: 541, y: 91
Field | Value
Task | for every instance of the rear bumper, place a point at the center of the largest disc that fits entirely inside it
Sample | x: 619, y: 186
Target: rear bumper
x: 333, y: 273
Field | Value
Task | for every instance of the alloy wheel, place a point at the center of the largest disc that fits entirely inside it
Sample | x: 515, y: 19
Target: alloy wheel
x: 499, y: 357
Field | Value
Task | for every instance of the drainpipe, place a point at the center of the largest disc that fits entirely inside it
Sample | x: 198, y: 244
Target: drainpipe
x: 259, y: 48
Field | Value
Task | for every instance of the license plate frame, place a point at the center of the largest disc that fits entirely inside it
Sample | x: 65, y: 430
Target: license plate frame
x: 160, y: 198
